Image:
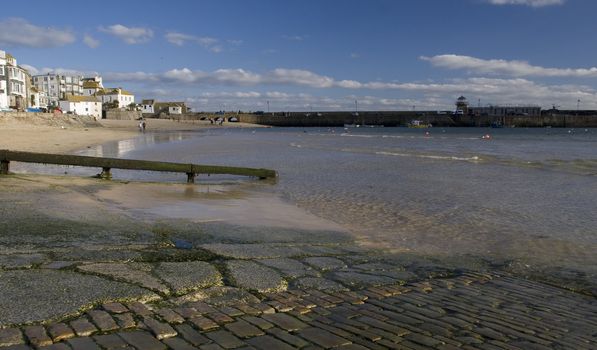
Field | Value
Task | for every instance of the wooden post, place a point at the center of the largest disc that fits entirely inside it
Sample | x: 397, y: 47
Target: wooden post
x: 190, y: 178
x: 4, y: 167
x: 106, y: 174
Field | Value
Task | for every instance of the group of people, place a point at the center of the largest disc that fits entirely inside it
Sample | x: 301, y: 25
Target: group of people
x: 218, y: 121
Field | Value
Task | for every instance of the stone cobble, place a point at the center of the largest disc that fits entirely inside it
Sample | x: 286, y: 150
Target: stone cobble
x: 472, y: 311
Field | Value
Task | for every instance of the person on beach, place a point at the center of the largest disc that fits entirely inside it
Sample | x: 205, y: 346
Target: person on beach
x: 142, y: 126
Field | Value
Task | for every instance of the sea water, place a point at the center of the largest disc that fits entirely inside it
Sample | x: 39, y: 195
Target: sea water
x: 525, y: 195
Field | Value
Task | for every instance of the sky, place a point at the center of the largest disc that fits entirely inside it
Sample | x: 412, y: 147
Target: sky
x: 318, y: 55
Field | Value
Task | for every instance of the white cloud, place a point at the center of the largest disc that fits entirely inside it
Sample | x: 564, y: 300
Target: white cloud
x: 349, y: 84
x: 235, y: 77
x: 212, y: 44
x: 532, y: 3
x: 131, y: 77
x: 512, y: 68
x: 180, y: 39
x: 90, y: 41
x: 130, y: 35
x: 236, y: 94
x: 295, y: 37
x: 19, y: 32
x: 298, y: 77
x: 64, y: 71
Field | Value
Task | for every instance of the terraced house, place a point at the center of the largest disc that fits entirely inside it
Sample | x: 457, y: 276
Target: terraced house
x: 13, y: 83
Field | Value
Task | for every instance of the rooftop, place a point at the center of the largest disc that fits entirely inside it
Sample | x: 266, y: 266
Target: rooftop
x: 91, y: 84
x: 72, y: 98
x: 113, y: 91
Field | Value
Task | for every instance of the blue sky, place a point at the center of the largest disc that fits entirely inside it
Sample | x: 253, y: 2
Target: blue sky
x: 319, y: 54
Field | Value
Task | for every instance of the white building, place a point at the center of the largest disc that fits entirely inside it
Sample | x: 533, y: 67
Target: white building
x: 58, y: 86
x: 113, y: 95
x: 175, y: 109
x: 147, y: 106
x: 39, y: 99
x: 3, y: 95
x: 170, y: 107
x: 82, y: 105
x: 14, y: 88
x: 3, y: 88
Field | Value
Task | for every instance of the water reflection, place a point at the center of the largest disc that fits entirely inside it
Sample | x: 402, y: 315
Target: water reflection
x: 116, y: 149
x: 120, y: 149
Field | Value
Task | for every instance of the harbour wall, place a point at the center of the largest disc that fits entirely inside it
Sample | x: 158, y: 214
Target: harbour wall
x: 336, y: 119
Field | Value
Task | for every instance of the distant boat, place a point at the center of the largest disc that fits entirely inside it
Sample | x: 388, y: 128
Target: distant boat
x: 419, y: 124
x: 353, y: 125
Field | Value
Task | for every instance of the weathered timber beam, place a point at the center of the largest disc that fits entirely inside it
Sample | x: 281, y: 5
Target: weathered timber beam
x: 215, y: 169
x: 130, y: 164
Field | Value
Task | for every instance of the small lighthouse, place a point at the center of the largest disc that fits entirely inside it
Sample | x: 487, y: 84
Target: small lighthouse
x: 462, y: 105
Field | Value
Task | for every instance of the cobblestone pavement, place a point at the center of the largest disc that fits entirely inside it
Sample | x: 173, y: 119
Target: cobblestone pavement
x: 470, y: 311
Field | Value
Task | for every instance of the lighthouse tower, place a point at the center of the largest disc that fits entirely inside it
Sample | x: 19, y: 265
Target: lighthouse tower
x: 462, y: 105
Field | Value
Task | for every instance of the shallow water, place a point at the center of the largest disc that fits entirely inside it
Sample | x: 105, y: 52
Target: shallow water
x: 522, y: 194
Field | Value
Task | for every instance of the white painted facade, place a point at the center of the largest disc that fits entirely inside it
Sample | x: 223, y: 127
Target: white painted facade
x: 82, y: 105
x: 147, y: 106
x: 123, y: 97
x: 3, y: 87
x: 39, y: 99
x: 3, y: 95
x: 147, y: 109
x: 15, y: 78
x: 174, y: 110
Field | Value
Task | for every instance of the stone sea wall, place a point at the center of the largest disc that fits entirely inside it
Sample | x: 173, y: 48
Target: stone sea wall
x: 123, y: 115
x: 335, y: 119
x: 49, y: 119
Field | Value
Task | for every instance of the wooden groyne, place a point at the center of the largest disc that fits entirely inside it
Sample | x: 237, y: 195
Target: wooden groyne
x: 106, y: 164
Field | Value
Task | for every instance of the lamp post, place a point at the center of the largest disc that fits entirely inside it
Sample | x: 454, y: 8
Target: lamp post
x: 577, y: 106
x: 267, y: 107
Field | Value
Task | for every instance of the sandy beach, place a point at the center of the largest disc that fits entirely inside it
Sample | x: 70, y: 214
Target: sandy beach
x: 62, y: 134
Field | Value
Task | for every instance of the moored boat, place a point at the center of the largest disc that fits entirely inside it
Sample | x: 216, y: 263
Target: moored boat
x: 418, y: 124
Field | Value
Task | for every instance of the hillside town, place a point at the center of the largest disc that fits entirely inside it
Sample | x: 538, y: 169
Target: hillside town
x: 73, y: 94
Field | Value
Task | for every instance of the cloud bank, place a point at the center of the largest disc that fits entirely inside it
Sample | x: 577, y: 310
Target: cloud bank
x: 532, y: 3
x: 512, y: 68
x: 17, y: 32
